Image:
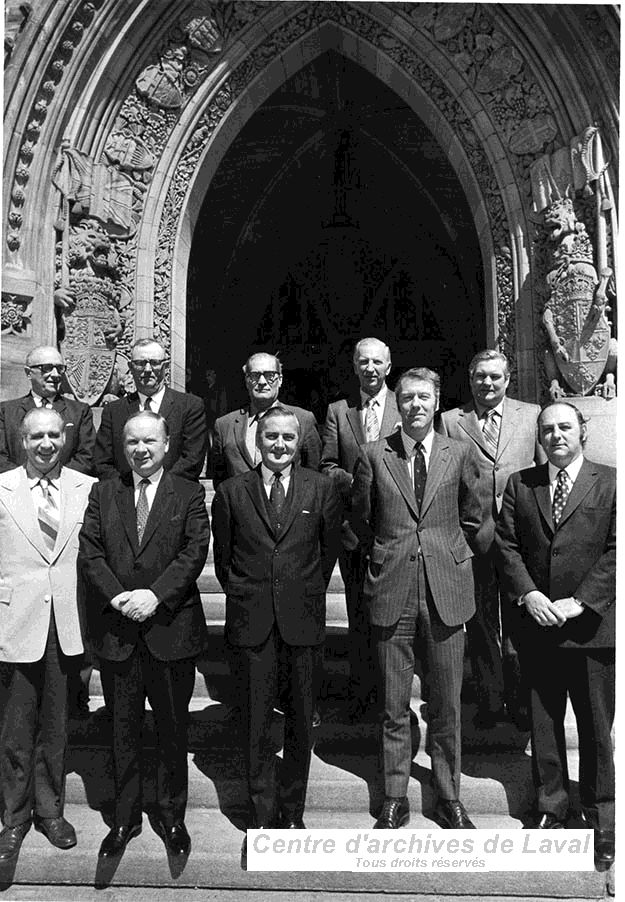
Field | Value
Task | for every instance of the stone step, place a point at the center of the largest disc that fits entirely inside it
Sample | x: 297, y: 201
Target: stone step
x: 214, y: 605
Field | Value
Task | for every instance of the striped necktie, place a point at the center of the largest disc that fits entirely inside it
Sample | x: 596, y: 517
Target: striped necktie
x: 143, y: 509
x: 372, y: 424
x: 47, y: 514
x: 490, y: 431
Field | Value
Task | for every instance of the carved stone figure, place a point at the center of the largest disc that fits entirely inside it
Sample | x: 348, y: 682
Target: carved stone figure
x: 574, y: 316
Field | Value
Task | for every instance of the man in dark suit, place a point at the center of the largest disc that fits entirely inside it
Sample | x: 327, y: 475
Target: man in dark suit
x: 45, y: 368
x: 184, y: 414
x: 502, y: 432
x: 142, y: 547
x: 235, y: 450
x: 368, y: 415
x: 415, y: 508
x: 556, y: 544
x: 276, y: 530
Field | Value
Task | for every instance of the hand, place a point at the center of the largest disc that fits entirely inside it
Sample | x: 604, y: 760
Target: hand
x: 119, y: 601
x: 569, y: 608
x: 544, y: 612
x: 141, y: 604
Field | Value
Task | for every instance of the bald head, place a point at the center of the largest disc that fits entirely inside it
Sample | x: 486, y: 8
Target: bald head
x: 43, y: 437
x: 45, y: 368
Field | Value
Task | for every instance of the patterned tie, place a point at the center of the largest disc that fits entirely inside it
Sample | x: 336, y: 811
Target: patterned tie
x: 491, y: 431
x: 420, y: 473
x: 277, y: 496
x: 143, y: 510
x: 372, y: 424
x: 47, y: 514
x: 560, y: 495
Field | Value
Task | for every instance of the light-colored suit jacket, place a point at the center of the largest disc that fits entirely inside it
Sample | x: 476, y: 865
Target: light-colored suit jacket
x: 518, y: 448
x: 389, y: 524
x: 34, y: 579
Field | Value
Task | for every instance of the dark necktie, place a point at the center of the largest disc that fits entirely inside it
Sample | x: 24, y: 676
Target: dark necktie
x: 148, y: 404
x: 420, y: 473
x: 277, y: 496
x: 47, y: 515
x: 560, y: 495
x: 491, y: 431
x: 143, y: 510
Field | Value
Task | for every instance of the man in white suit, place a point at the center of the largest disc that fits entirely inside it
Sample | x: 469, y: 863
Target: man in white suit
x: 41, y: 512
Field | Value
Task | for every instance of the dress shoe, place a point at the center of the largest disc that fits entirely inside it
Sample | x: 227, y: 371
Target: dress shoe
x: 545, y: 820
x: 117, y: 839
x: 288, y: 823
x: 11, y: 839
x: 316, y: 719
x: 176, y: 838
x: 604, y: 846
x: 450, y: 814
x: 56, y: 830
x: 395, y: 813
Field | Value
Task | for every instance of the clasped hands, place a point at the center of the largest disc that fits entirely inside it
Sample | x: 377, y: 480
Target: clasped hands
x: 138, y: 604
x: 551, y: 613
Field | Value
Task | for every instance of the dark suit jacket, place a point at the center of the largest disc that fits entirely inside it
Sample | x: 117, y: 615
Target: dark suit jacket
x: 343, y: 435
x: 230, y: 454
x: 386, y: 519
x: 79, y: 433
x: 169, y: 561
x: 578, y: 558
x: 188, y: 436
x: 518, y: 448
x: 269, y: 577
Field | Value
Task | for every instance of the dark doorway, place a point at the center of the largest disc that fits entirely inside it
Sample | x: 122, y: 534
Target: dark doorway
x: 334, y: 215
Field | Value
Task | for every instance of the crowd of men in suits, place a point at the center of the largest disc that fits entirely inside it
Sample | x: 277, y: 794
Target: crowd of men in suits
x: 486, y: 519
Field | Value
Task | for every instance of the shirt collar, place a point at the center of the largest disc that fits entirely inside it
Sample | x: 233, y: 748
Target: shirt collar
x: 482, y: 410
x: 269, y: 474
x: 380, y: 397
x: 155, y: 478
x: 33, y: 475
x: 156, y: 398
x: 254, y: 415
x: 39, y: 400
x: 572, y: 471
x: 409, y: 442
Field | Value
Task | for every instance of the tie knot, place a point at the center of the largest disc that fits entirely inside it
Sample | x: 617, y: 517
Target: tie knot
x: 277, y: 477
x: 44, y: 483
x: 145, y: 482
x: 563, y: 476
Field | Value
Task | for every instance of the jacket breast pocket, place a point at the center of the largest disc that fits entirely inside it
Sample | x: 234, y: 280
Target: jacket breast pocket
x: 5, y: 595
x: 461, y: 553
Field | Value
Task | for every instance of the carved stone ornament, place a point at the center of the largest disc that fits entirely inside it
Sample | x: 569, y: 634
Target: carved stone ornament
x: 532, y: 134
x: 15, y: 313
x: 162, y: 84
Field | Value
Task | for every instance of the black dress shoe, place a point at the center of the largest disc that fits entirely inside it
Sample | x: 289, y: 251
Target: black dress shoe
x: 176, y: 838
x: 11, y: 839
x: 286, y: 823
x: 451, y: 815
x: 547, y: 821
x: 117, y: 839
x: 604, y: 846
x: 395, y: 813
x: 56, y: 830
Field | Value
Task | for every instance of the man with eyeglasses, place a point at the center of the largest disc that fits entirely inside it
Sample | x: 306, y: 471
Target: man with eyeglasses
x: 183, y: 412
x: 45, y: 369
x: 235, y: 450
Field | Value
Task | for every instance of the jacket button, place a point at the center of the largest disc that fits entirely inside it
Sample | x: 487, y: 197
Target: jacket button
x: 413, y: 557
x: 555, y: 552
x: 275, y: 551
x: 47, y: 599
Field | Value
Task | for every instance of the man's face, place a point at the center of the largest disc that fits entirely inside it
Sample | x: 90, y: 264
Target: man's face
x: 145, y: 445
x: 560, y: 434
x: 417, y: 405
x: 277, y: 441
x: 262, y: 380
x: 148, y: 365
x: 45, y: 371
x: 372, y: 365
x: 489, y: 383
x: 44, y: 440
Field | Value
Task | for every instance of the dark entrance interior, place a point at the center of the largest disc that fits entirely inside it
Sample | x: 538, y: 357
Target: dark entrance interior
x: 334, y: 215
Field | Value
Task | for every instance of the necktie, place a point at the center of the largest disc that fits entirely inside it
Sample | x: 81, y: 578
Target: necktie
x: 47, y: 404
x: 148, y: 404
x: 491, y: 430
x: 560, y: 495
x: 277, y: 496
x: 143, y: 510
x: 48, y: 514
x: 372, y: 424
x: 420, y: 473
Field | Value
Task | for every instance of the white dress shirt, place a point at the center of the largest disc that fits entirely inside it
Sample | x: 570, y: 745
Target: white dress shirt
x: 155, y: 400
x: 150, y: 490
x: 378, y: 403
x: 409, y: 447
x: 572, y: 471
x: 268, y: 476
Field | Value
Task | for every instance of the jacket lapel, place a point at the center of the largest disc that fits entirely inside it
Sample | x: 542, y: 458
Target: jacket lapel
x: 508, y: 422
x: 19, y: 504
x: 256, y: 491
x: 586, y: 478
x: 391, y: 415
x: 395, y: 461
x: 439, y: 461
x: 542, y: 495
x: 158, y: 510
x: 240, y: 434
x: 166, y: 404
x: 72, y: 506
x: 299, y: 482
x: 125, y: 498
x: 468, y: 421
x: 355, y: 421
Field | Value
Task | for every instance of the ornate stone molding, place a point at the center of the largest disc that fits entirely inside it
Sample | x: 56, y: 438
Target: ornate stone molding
x: 16, y: 313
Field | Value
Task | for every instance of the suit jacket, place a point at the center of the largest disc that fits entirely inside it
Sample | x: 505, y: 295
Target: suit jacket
x: 230, y: 454
x: 168, y: 561
x: 578, y: 558
x: 188, y: 436
x: 33, y: 579
x: 343, y: 435
x: 386, y: 519
x: 276, y: 577
x: 79, y: 433
x: 518, y: 448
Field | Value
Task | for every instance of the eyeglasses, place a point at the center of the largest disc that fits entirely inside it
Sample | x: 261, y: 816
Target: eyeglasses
x: 269, y: 376
x: 46, y: 368
x: 141, y: 364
